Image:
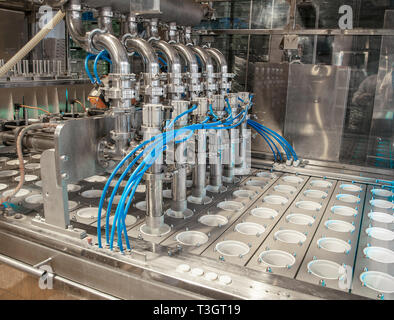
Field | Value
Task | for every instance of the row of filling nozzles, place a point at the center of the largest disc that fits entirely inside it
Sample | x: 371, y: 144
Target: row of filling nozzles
x: 36, y: 68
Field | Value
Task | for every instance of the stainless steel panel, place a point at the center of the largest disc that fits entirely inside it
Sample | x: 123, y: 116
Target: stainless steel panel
x: 78, y: 160
x: 270, y: 88
x: 213, y: 232
x: 364, y: 262
x: 316, y: 104
x: 177, y: 224
x: 297, y: 250
x: 253, y: 241
x: 345, y: 258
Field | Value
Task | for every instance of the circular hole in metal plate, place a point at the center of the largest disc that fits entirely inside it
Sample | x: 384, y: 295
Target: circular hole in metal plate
x: 192, y: 238
x: 15, y: 162
x: 277, y: 258
x: 230, y: 205
x: 141, y: 205
x: 158, y: 232
x: 283, y: 188
x: 8, y: 173
x: 72, y: 205
x: 339, y: 226
x: 300, y: 219
x: 382, y: 204
x: 381, y: 217
x: 334, y: 245
x: 321, y: 184
x: 33, y: 166
x: 348, y: 198
x: 308, y: 205
x: 382, y: 193
x: 96, y: 179
x: 129, y: 221
x: 350, y: 187
x: 344, y: 211
x: 326, y: 269
x: 3, y: 186
x: 378, y: 281
x: 275, y: 200
x: 167, y: 194
x: 249, y: 228
x: 243, y: 194
x: 380, y: 234
x: 264, y: 213
x: 290, y: 236
x: 87, y: 213
x: 28, y: 178
x: 213, y: 220
x: 232, y: 248
x: 316, y: 194
x: 268, y: 175
x: 35, y: 199
x: 91, y: 194
x: 378, y: 254
x: 292, y: 179
x: 21, y: 193
x: 256, y: 183
x: 73, y: 188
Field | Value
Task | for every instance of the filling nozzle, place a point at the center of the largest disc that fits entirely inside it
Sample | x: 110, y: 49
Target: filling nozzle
x: 179, y: 207
x: 232, y: 143
x: 216, y: 139
x: 243, y: 159
x: 152, y: 119
x: 199, y: 191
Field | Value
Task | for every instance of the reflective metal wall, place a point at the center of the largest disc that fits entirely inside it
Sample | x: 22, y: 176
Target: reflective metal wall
x: 301, y: 36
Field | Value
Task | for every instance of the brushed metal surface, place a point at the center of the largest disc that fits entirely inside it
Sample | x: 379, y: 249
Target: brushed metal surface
x: 315, y: 113
x: 297, y: 250
x: 316, y: 253
x: 363, y: 263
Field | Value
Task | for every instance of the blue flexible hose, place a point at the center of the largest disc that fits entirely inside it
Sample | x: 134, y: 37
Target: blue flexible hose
x: 143, y: 167
x: 172, y: 123
x: 89, y: 57
x: 280, y: 139
x: 102, y: 55
x: 269, y: 141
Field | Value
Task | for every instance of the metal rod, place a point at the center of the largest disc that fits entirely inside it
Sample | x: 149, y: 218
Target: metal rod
x: 39, y: 273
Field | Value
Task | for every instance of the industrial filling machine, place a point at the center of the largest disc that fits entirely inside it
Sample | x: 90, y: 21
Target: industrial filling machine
x: 170, y: 149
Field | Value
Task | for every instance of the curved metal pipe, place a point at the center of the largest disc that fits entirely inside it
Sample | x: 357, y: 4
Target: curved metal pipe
x: 118, y: 54
x: 219, y: 58
x: 222, y: 68
x: 105, y: 19
x: 173, y: 58
x: 188, y: 55
x: 146, y: 51
x: 74, y: 24
x: 132, y: 25
x: 205, y: 58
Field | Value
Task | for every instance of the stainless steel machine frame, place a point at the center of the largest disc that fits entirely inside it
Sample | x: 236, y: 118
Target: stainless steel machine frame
x: 205, y: 254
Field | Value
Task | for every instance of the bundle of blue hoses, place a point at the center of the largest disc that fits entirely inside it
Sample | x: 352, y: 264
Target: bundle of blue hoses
x: 103, y: 55
x: 268, y: 135
x: 154, y: 149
